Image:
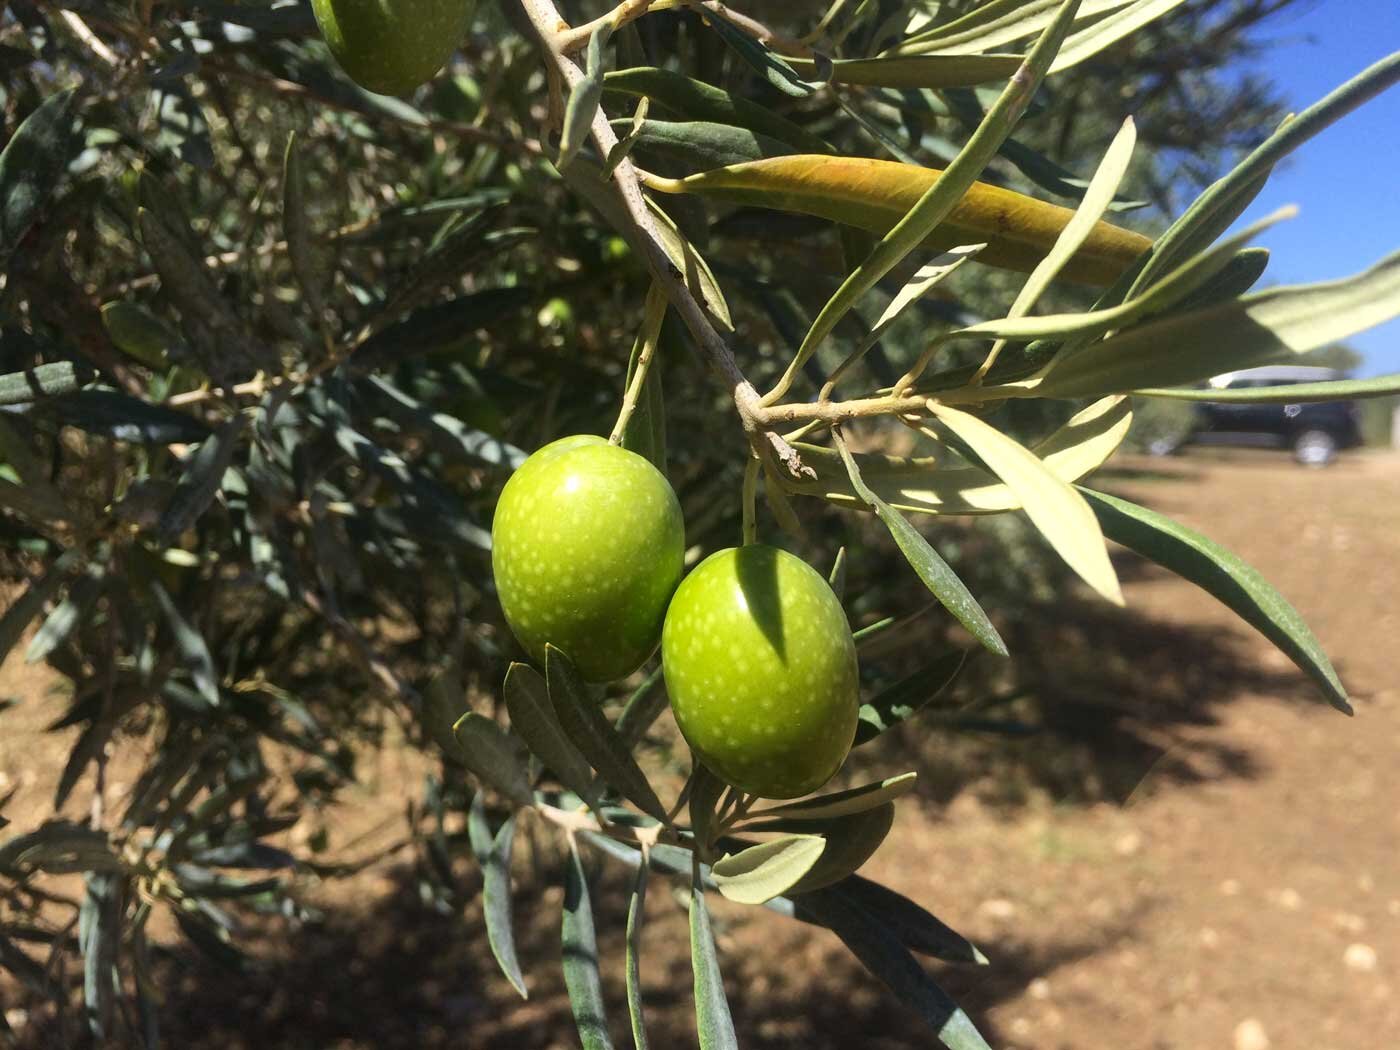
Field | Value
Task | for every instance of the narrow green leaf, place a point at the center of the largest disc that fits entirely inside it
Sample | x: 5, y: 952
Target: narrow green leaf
x: 490, y: 753
x: 1296, y: 394
x: 712, y: 1018
x: 942, y: 196
x: 698, y: 145
x: 1052, y: 504
x: 1235, y: 278
x: 695, y: 100
x: 918, y: 71
x: 202, y: 479
x: 31, y: 164
x: 642, y: 709
x: 28, y: 605
x: 33, y: 384
x: 1219, y: 572
x: 1102, y: 189
x: 1214, y: 210
x: 705, y: 792
x: 1102, y: 35
x: 220, y: 342
x: 837, y: 577
x: 923, y: 281
x: 636, y: 905
x: 297, y: 230
x: 996, y: 23
x: 125, y: 418
x: 695, y: 271
x: 879, y: 950
x: 1192, y: 277
x: 194, y: 650
x: 1257, y: 329
x: 584, y: 99
x: 919, y: 930
x: 138, y: 333
x: 627, y: 138
x: 773, y: 67
x: 593, y: 735
x: 444, y: 701
x: 493, y: 852
x: 843, y: 803
x: 66, y: 615
x: 645, y: 433
x: 580, y: 950
x: 851, y: 840
x: 908, y: 696
x: 58, y: 847
x: 532, y: 716
x: 935, y: 573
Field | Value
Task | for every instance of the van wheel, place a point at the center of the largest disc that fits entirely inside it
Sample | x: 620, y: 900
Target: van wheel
x: 1314, y: 448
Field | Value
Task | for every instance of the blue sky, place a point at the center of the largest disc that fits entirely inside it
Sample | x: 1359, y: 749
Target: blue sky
x: 1346, y: 182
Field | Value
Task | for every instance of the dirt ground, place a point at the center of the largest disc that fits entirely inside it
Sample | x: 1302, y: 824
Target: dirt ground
x: 1239, y: 889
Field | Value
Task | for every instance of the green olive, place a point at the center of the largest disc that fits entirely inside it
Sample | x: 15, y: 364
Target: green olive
x: 392, y: 46
x: 761, y: 669
x: 587, y: 548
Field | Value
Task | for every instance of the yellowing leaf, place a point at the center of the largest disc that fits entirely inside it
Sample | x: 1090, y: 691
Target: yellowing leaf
x: 876, y: 194
x: 1054, y: 507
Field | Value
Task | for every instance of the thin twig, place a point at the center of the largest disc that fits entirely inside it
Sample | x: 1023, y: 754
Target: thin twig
x: 579, y: 36
x: 544, y: 16
x: 93, y: 42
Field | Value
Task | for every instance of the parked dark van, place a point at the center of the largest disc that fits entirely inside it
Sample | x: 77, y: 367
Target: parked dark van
x: 1315, y: 431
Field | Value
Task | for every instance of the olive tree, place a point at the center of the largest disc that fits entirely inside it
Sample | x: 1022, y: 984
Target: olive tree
x: 273, y: 345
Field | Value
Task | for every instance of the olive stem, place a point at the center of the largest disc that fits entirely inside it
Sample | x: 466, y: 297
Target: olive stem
x: 750, y: 529
x: 654, y: 313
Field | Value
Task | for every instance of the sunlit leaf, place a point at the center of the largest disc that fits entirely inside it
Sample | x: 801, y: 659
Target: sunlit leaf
x: 1295, y: 394
x: 1258, y: 329
x: 923, y: 485
x: 760, y: 872
x: 1052, y: 504
x: 918, y: 71
x: 851, y: 840
x: 842, y: 803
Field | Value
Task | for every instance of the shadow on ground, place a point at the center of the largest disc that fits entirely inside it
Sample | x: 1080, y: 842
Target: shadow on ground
x: 401, y: 974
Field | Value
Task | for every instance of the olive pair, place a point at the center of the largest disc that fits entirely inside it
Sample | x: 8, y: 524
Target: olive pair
x: 760, y: 665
